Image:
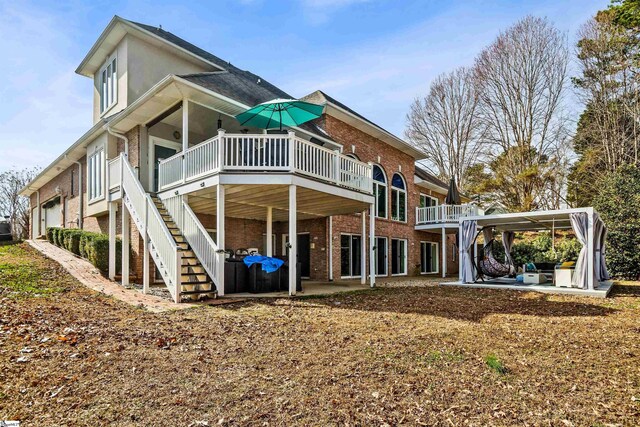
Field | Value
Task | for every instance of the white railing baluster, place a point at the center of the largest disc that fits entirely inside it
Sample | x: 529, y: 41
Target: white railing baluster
x: 264, y: 153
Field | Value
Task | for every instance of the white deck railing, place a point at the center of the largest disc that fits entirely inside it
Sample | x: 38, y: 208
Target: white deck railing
x: 264, y: 153
x: 145, y: 214
x: 199, y: 240
x: 444, y: 213
x: 113, y: 173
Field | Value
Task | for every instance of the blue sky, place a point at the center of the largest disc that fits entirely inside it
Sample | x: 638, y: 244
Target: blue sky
x: 374, y: 55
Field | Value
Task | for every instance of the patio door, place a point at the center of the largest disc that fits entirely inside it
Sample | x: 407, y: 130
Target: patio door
x: 429, y: 257
x: 160, y: 149
x: 350, y: 253
x: 398, y: 257
x: 304, y: 252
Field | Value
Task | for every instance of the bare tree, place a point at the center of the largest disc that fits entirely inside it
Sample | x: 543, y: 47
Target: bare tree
x: 446, y: 126
x: 522, y: 77
x: 13, y: 205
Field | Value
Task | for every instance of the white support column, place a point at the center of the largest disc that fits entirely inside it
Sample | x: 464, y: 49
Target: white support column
x: 293, y: 239
x: 330, y: 249
x: 112, y: 240
x: 220, y: 190
x: 444, y: 252
x: 145, y: 252
x: 372, y: 245
x: 126, y: 234
x: 185, y: 135
x: 185, y: 125
x: 590, y: 250
x: 460, y: 253
x: 363, y: 249
x: 292, y: 150
x: 269, y: 231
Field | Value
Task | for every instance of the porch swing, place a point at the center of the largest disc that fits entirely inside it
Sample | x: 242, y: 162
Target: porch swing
x: 487, y: 266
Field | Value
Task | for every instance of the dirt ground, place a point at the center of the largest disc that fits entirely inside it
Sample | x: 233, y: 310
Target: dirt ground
x: 396, y: 356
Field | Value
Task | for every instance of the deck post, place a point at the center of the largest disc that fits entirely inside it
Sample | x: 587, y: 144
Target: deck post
x: 590, y: 249
x: 292, y: 151
x: 112, y: 240
x: 460, y: 252
x: 220, y: 195
x: 269, y: 231
x: 293, y: 239
x: 363, y: 249
x: 185, y: 135
x: 145, y: 251
x: 126, y: 232
x: 372, y: 245
x: 444, y: 252
x: 330, y: 249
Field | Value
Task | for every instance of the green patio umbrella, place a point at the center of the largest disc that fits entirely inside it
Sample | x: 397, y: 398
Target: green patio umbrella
x: 280, y: 112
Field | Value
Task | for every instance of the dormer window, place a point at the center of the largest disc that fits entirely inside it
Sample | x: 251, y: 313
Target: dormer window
x: 108, y: 84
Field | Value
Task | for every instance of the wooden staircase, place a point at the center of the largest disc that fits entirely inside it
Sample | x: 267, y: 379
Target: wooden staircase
x: 194, y: 280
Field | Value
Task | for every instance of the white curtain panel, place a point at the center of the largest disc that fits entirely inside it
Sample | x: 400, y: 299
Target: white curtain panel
x: 601, y: 238
x: 579, y: 223
x: 507, y: 241
x: 466, y: 239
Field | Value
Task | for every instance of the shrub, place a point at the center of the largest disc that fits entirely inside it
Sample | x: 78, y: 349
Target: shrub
x: 98, y: 252
x: 85, y: 241
x: 72, y: 240
x: 57, y: 234
x: 618, y: 203
x: 50, y: 234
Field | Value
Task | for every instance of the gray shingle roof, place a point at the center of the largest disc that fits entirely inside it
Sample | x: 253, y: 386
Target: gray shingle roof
x: 423, y: 174
x: 240, y: 85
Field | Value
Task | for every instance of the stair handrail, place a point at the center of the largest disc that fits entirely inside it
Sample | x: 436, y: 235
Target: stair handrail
x: 202, y: 245
x: 161, y: 239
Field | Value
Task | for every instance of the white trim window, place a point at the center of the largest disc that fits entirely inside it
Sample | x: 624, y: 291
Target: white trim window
x: 427, y: 201
x: 108, y: 84
x: 398, y: 198
x: 380, y: 191
x: 95, y: 175
x: 429, y: 254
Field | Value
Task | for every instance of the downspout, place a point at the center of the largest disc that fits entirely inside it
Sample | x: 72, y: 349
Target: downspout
x: 37, y: 230
x: 122, y: 137
x: 80, y: 194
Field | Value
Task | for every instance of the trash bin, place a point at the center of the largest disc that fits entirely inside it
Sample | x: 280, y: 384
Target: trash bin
x: 284, y: 278
x: 260, y: 281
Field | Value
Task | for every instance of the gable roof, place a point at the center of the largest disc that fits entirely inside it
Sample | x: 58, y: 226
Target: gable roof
x: 339, y: 110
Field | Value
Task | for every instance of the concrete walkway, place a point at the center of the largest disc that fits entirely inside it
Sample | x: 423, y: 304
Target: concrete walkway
x: 90, y: 277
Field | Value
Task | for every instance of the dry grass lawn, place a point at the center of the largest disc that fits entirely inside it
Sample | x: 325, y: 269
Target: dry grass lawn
x: 397, y: 356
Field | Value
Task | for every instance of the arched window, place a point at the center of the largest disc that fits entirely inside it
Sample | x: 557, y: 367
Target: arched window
x: 380, y: 191
x: 398, y: 198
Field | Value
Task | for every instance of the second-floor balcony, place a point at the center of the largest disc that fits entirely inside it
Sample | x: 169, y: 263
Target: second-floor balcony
x: 445, y: 214
x: 262, y: 153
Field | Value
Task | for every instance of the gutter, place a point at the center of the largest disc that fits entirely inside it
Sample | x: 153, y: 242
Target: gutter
x: 121, y: 136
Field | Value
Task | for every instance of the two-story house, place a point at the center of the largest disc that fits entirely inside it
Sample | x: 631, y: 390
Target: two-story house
x: 168, y: 168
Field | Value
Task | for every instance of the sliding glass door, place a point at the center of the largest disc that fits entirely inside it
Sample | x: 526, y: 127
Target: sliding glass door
x: 398, y: 257
x: 381, y: 256
x: 350, y: 255
x: 429, y: 257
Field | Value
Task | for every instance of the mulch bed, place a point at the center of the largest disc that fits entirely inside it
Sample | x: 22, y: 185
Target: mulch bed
x: 403, y: 355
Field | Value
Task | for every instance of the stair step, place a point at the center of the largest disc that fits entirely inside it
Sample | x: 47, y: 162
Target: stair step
x: 197, y: 292
x: 193, y: 278
x: 183, y: 245
x: 179, y: 238
x: 193, y: 269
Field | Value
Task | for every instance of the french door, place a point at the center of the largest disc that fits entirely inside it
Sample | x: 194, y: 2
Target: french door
x: 429, y: 257
x: 381, y: 255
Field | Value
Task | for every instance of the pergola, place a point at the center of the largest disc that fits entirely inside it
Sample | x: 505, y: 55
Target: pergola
x: 590, y: 230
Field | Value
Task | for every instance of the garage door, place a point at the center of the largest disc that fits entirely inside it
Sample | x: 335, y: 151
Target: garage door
x: 52, y: 214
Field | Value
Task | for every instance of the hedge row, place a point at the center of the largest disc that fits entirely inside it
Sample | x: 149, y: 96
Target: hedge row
x: 92, y: 246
